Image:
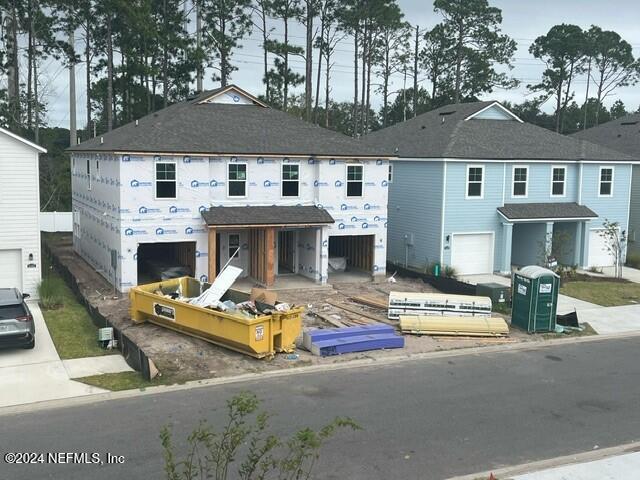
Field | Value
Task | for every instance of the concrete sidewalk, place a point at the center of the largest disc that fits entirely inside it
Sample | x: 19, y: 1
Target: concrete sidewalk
x: 621, y: 467
x: 29, y: 376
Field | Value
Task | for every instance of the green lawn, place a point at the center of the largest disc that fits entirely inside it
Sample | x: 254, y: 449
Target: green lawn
x: 69, y: 323
x: 603, y: 292
x: 124, y: 381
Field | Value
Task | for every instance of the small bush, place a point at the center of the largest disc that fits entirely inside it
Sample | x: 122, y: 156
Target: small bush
x: 595, y: 270
x: 51, y: 292
x: 633, y: 260
x: 449, y: 271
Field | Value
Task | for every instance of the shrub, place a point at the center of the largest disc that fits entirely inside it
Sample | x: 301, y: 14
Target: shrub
x: 51, y: 292
x: 449, y: 271
x: 245, y: 445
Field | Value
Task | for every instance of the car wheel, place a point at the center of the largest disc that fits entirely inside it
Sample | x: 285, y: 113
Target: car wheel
x: 31, y: 344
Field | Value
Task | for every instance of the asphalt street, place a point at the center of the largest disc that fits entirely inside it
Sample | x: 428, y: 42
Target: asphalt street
x: 423, y: 419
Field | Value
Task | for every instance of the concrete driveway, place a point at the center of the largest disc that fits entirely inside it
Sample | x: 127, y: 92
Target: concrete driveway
x: 28, y: 376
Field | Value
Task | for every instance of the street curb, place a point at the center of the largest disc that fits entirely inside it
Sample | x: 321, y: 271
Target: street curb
x: 507, y: 472
x: 360, y: 363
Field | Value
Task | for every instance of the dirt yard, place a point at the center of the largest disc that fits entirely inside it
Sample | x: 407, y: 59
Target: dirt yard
x: 182, y: 358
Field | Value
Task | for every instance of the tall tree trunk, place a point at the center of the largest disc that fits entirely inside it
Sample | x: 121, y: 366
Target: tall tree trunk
x: 286, y: 63
x: 308, y: 80
x: 13, y: 86
x: 367, y: 104
x: 558, y: 106
x: 165, y: 61
x: 87, y: 61
x: 319, y: 71
x: 355, y: 83
x: 224, y: 57
x: 73, y: 134
x: 385, y: 87
x: 36, y: 105
x: 265, y: 53
x: 415, y: 72
x: 458, y: 65
x: 109, y: 102
x: 199, y: 69
x: 29, y: 66
x: 599, y: 101
x: 363, y: 83
x: 586, y: 95
x: 327, y: 80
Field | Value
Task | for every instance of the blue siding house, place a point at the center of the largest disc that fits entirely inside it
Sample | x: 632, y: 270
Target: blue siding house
x: 623, y: 134
x: 476, y: 188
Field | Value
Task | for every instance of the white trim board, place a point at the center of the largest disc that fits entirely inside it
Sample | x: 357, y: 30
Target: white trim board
x: 23, y: 140
x: 494, y: 104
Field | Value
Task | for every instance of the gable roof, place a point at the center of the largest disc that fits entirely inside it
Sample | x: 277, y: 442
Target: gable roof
x: 453, y: 132
x: 20, y: 139
x: 197, y: 126
x: 267, y: 215
x: 622, y: 134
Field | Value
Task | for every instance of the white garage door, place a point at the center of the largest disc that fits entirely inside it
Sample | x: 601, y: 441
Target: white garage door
x: 599, y: 256
x: 11, y: 269
x: 472, y: 253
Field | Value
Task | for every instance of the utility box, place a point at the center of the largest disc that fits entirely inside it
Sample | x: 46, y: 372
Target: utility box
x: 499, y: 294
x: 535, y: 299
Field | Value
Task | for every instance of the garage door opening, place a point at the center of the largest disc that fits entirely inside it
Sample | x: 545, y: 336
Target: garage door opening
x: 353, y: 253
x: 472, y: 253
x: 161, y: 261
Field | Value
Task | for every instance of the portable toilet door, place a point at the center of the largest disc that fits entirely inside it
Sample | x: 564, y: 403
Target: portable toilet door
x: 546, y: 303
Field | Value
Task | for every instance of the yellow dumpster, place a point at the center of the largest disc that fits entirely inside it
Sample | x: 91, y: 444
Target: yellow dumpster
x: 259, y: 337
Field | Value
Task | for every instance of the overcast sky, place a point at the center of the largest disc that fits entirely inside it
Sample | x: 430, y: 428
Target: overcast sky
x: 523, y: 20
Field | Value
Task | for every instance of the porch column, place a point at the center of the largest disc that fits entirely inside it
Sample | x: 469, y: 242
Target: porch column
x: 577, y: 244
x: 507, y: 240
x: 270, y: 260
x: 548, y: 238
x: 585, y: 245
x: 212, y: 254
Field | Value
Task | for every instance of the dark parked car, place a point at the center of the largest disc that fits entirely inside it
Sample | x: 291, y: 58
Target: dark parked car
x: 17, y: 328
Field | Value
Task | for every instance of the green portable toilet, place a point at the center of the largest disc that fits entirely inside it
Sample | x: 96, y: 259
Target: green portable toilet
x: 535, y: 299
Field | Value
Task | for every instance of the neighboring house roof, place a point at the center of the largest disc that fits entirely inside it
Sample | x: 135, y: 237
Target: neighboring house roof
x: 483, y: 130
x: 544, y: 211
x: 203, y: 126
x: 35, y: 146
x: 266, y: 215
x: 622, y: 134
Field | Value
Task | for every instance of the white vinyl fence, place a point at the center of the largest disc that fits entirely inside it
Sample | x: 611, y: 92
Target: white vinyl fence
x: 56, y: 221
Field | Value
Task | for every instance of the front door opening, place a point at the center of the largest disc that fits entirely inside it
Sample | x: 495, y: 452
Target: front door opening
x: 286, y: 251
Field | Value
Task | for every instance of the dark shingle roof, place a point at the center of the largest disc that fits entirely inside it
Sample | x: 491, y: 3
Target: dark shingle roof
x: 522, y: 211
x: 622, y: 134
x: 444, y: 133
x: 215, y: 128
x: 267, y: 215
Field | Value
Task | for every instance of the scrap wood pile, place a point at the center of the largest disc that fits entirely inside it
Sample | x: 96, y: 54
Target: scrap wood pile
x: 350, y: 311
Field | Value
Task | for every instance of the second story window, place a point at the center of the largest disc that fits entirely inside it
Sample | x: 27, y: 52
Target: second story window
x: 237, y: 179
x: 558, y: 176
x: 165, y: 180
x: 475, y: 181
x: 606, y: 181
x: 520, y: 180
x: 290, y: 180
x: 354, y: 180
x: 88, y: 174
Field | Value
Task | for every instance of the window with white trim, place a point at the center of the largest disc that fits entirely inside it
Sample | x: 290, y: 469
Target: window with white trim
x: 166, y: 180
x: 237, y: 179
x: 390, y: 174
x: 290, y: 180
x: 606, y: 181
x: 234, y: 245
x: 558, y: 179
x: 88, y: 174
x: 354, y: 180
x: 520, y: 181
x: 475, y: 181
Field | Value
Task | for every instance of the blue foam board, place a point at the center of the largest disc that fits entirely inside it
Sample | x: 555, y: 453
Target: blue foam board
x: 360, y: 343
x: 320, y: 334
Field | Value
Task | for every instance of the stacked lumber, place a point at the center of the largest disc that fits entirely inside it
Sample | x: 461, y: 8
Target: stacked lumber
x: 336, y: 341
x: 412, y: 303
x: 456, y: 326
